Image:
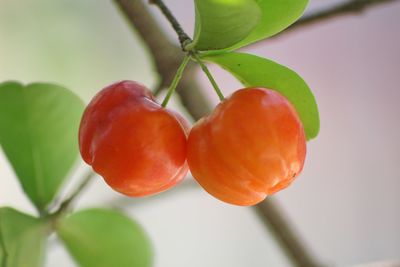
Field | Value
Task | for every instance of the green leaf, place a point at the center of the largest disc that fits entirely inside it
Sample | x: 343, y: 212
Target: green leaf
x: 255, y: 71
x: 223, y: 23
x: 38, y: 133
x: 2, y: 259
x: 276, y: 15
x: 23, y: 239
x: 104, y: 238
x: 2, y: 249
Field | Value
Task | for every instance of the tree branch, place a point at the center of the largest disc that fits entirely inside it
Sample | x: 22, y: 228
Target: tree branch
x: 167, y: 57
x: 348, y: 8
x: 271, y: 214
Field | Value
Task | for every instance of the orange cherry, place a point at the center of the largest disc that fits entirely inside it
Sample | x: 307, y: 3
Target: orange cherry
x: 138, y: 146
x: 252, y: 145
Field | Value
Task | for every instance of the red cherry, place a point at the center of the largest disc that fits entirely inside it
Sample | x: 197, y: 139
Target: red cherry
x: 252, y: 145
x: 137, y: 146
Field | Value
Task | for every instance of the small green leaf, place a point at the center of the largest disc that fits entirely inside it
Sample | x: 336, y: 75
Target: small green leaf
x: 23, y: 239
x: 104, y: 238
x: 223, y: 23
x: 276, y: 15
x: 255, y: 71
x: 38, y: 133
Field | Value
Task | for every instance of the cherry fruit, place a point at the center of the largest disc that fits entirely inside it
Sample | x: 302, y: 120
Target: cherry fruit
x: 252, y: 145
x: 138, y: 146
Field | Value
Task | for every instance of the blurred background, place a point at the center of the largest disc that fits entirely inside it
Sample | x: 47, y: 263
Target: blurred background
x: 345, y: 205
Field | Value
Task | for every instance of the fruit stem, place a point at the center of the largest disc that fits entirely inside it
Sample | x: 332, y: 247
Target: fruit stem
x: 176, y: 80
x: 209, y: 76
x: 184, y: 39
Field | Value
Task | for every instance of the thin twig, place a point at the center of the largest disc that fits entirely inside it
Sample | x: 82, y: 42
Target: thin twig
x: 184, y: 39
x: 66, y: 204
x: 348, y: 8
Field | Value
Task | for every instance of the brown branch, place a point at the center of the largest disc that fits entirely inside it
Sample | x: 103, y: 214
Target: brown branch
x: 348, y: 8
x: 166, y: 56
x: 271, y: 214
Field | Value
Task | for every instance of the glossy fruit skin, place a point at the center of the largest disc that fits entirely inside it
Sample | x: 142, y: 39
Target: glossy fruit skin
x: 252, y: 145
x: 137, y: 146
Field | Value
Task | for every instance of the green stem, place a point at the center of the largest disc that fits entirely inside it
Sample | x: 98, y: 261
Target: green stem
x: 176, y: 80
x: 209, y: 76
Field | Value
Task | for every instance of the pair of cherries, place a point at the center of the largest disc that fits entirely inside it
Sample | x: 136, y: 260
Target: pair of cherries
x: 252, y: 145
